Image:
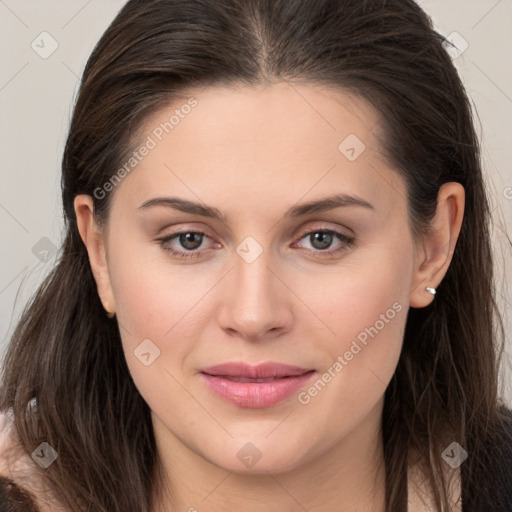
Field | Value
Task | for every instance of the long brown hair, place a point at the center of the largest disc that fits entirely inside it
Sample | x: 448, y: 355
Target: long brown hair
x: 67, y: 354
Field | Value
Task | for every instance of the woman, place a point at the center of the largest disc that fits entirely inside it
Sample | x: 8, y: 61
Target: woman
x: 276, y: 287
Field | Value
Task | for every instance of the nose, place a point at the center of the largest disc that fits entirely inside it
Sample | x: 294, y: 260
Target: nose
x: 255, y: 303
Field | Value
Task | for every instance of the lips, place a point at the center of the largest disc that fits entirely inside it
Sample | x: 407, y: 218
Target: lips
x: 248, y: 379
x: 261, y: 371
x: 258, y: 386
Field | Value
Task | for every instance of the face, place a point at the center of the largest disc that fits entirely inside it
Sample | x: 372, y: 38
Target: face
x: 262, y: 225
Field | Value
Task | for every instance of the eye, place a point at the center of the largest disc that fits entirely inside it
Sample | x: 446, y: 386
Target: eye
x: 322, y: 239
x: 191, y: 241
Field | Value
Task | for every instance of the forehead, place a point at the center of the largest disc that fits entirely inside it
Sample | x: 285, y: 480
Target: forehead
x: 279, y: 140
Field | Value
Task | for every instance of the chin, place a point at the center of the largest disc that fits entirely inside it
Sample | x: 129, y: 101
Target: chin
x: 258, y: 457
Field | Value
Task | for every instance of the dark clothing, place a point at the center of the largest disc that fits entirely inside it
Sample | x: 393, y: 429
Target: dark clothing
x: 489, y: 488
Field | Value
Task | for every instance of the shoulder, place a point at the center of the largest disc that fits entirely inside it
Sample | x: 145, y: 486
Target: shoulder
x: 487, y: 480
x: 13, y: 498
x: 16, y: 470
x: 7, y: 443
x: 483, y: 482
x: 13, y: 460
x: 420, y: 494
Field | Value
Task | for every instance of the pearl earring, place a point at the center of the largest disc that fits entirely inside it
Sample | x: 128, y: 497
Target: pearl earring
x: 431, y: 290
x: 106, y: 308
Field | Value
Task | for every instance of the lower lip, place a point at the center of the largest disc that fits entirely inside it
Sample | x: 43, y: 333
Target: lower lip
x: 255, y: 395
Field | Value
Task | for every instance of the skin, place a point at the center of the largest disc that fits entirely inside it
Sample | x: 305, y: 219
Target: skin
x: 253, y: 153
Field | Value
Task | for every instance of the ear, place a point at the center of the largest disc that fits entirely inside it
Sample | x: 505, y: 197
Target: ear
x: 94, y: 242
x: 435, y: 250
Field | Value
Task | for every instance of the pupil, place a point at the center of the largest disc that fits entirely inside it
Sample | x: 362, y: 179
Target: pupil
x: 321, y: 240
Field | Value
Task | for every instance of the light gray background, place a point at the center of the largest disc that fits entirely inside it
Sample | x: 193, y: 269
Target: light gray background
x: 36, y: 97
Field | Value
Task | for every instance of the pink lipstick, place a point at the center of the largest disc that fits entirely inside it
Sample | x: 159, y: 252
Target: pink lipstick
x: 258, y: 386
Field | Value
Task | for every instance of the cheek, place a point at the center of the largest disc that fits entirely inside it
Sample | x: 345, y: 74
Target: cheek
x: 365, y: 307
x: 162, y: 303
x: 359, y: 363
x: 157, y: 323
x: 363, y: 288
x: 152, y: 294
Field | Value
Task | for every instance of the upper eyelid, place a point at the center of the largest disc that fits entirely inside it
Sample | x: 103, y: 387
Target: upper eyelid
x: 322, y: 226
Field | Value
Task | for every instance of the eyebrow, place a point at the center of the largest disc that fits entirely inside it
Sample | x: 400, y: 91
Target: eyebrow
x: 299, y: 210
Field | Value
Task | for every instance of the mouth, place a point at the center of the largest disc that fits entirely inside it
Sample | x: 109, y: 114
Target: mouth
x: 258, y: 386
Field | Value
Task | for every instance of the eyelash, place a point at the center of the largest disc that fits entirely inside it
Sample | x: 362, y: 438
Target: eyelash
x: 347, y: 243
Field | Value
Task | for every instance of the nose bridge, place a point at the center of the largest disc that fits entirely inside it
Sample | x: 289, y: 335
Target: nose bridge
x: 254, y: 302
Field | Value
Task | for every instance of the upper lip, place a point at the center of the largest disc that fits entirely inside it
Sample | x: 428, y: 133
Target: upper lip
x: 261, y: 371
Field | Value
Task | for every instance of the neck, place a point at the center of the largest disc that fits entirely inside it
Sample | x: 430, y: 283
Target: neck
x: 349, y: 475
